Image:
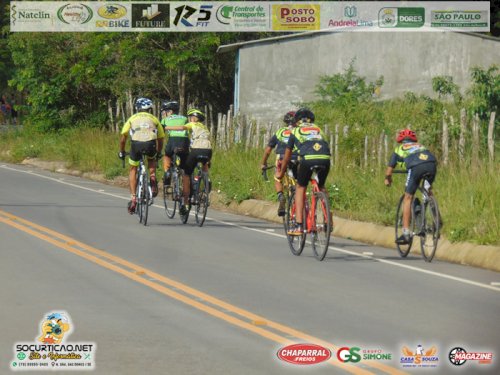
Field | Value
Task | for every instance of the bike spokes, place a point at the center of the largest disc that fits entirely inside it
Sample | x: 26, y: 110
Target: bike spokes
x: 296, y: 243
x: 430, y: 227
x: 320, y: 225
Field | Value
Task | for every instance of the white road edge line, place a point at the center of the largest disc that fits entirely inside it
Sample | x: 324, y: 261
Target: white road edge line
x: 438, y: 274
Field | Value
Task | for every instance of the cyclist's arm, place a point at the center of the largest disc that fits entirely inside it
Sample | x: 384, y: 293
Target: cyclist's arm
x: 267, y: 152
x: 123, y: 135
x: 390, y: 168
x: 284, y: 164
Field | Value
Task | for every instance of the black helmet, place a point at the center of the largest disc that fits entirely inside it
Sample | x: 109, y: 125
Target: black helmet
x: 304, y: 113
x: 172, y: 106
x: 289, y: 118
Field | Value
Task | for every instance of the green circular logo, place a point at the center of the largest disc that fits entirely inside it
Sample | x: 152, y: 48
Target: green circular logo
x: 21, y: 356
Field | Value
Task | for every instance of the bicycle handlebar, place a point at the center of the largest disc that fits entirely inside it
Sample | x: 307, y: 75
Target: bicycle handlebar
x: 264, y: 172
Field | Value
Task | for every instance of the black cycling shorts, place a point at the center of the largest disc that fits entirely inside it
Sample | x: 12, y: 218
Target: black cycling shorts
x: 416, y: 174
x: 194, y: 157
x: 136, y: 149
x: 178, y: 143
x: 304, y: 171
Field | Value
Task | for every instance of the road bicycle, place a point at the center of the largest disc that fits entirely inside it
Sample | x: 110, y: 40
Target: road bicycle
x: 425, y: 221
x: 143, y: 191
x: 200, y: 190
x: 317, y: 219
x: 173, y: 193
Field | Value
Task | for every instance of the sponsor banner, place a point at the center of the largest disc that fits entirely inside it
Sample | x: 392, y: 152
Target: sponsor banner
x: 458, y: 356
x: 304, y: 354
x: 420, y: 357
x: 50, y: 350
x: 243, y: 16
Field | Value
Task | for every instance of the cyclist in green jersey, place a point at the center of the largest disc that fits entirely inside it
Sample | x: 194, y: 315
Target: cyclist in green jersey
x: 177, y: 139
x: 419, y: 162
x: 313, y: 150
x: 146, y: 135
x: 201, y: 146
x: 280, y: 140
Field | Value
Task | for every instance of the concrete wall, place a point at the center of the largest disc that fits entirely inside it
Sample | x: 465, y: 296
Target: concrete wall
x: 277, y: 73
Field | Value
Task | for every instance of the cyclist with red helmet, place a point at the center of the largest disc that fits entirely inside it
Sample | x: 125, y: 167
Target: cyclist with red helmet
x: 418, y: 161
x: 280, y: 140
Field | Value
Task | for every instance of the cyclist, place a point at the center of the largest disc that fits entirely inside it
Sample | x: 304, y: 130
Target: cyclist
x: 200, y: 146
x: 280, y: 140
x: 313, y: 149
x: 146, y: 134
x: 418, y: 161
x: 177, y: 139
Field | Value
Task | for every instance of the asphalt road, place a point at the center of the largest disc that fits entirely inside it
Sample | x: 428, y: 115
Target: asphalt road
x: 225, y: 298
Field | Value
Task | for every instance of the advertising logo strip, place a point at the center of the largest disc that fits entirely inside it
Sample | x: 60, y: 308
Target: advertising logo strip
x: 239, y: 16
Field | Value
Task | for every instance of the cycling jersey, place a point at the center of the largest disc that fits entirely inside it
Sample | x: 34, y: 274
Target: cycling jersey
x: 200, y: 135
x: 280, y: 139
x: 143, y: 127
x: 175, y: 120
x: 410, y: 154
x: 310, y: 142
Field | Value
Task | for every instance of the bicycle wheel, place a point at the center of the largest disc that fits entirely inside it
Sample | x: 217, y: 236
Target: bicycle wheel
x: 296, y: 243
x: 145, y: 198
x: 321, y: 226
x: 169, y: 200
x: 201, y: 194
x: 402, y: 249
x: 429, y: 234
x: 138, y: 194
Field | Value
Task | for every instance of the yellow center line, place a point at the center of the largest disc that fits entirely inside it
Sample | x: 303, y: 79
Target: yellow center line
x: 138, y: 273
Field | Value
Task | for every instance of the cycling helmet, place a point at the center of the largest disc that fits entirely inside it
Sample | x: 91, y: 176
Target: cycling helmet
x: 197, y: 113
x: 143, y: 104
x: 406, y: 134
x: 289, y: 118
x: 170, y: 106
x: 304, y: 113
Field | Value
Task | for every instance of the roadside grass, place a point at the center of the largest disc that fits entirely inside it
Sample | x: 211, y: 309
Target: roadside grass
x: 469, y: 198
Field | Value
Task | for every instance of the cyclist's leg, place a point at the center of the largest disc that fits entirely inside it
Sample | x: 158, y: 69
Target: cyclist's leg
x: 135, y: 156
x: 151, y: 154
x: 303, y: 176
x: 167, y: 162
x: 322, y: 176
x: 189, y: 166
x: 278, y: 186
x: 412, y: 181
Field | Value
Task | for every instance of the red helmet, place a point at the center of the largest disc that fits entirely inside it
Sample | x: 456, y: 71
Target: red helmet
x: 406, y: 134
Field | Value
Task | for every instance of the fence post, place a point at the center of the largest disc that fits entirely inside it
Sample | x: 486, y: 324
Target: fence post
x: 336, y: 144
x: 491, y: 140
x: 366, y: 152
x: 475, y: 140
x: 380, y: 145
x: 386, y: 147
x: 445, y: 138
x: 227, y: 133
x: 463, y: 129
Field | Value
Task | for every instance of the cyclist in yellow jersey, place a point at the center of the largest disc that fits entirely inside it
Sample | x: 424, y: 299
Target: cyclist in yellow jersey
x: 146, y: 134
x: 280, y: 140
x: 313, y: 149
x: 419, y: 162
x: 201, y: 146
